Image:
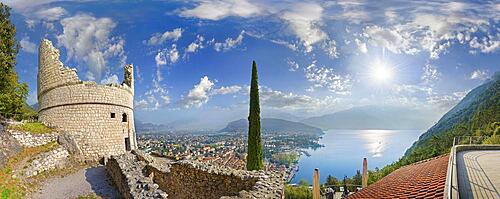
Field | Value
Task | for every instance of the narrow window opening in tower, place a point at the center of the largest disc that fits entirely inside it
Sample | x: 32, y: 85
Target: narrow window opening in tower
x: 127, y: 144
x: 113, y: 115
x: 124, y: 117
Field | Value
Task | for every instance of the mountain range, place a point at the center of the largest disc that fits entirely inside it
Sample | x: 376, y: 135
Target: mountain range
x: 374, y: 117
x: 273, y: 126
x: 478, y: 113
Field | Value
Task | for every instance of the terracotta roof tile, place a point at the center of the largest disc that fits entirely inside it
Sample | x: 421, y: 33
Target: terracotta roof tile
x: 424, y: 179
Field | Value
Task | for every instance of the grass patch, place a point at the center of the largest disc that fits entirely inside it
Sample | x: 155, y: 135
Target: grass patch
x: 32, y: 127
x: 14, y: 187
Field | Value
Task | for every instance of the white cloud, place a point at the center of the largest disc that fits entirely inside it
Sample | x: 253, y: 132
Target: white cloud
x: 355, y: 16
x: 51, y: 14
x: 227, y: 90
x: 430, y: 74
x: 199, y: 95
x: 141, y: 104
x: 361, y: 46
x: 88, y: 40
x: 138, y: 74
x: 479, y: 74
x: 30, y: 24
x: 173, y: 54
x: 390, y: 15
x: 166, y: 56
x: 445, y: 102
x: 229, y: 43
x: 113, y: 79
x: 304, y: 19
x: 412, y: 90
x: 293, y: 66
x: 330, y: 48
x: 391, y: 39
x: 289, y: 45
x: 155, y: 98
x: 160, y: 59
x: 435, y: 26
x: 27, y: 45
x: 485, y: 45
x: 323, y: 77
x: 218, y: 9
x: 160, y: 38
x: 25, y: 5
x: 195, y: 46
x: 294, y: 102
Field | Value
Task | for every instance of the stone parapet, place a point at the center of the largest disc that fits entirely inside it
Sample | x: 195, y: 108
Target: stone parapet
x: 192, y: 179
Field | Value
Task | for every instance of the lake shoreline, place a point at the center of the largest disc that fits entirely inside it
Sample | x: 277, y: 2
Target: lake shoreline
x: 343, y: 151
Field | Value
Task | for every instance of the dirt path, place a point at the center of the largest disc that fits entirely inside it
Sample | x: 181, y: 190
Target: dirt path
x: 84, y: 182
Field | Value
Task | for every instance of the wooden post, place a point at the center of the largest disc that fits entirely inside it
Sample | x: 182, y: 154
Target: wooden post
x: 364, y: 179
x: 316, y: 194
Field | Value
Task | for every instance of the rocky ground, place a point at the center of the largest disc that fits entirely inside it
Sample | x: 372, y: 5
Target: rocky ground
x: 89, y: 181
x: 35, y: 165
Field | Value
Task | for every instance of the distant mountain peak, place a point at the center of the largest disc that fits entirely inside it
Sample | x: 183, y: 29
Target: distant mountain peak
x: 374, y: 117
x: 273, y: 126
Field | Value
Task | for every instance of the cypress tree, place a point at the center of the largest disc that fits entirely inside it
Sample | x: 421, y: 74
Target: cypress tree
x: 254, y: 158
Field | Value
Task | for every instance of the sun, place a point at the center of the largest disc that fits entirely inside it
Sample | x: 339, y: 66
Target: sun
x: 382, y: 72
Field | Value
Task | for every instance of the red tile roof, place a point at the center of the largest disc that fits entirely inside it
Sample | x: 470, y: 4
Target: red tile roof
x: 424, y: 179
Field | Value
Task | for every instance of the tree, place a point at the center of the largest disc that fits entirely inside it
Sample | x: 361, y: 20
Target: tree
x: 331, y: 180
x: 12, y: 93
x: 357, y: 179
x: 254, y: 158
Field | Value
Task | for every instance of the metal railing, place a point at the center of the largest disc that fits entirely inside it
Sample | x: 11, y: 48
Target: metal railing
x: 468, y: 140
x: 451, y: 187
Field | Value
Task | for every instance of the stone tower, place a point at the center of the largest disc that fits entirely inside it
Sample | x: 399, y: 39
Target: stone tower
x: 99, y: 119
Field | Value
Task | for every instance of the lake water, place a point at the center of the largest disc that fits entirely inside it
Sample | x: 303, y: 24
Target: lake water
x: 345, y: 149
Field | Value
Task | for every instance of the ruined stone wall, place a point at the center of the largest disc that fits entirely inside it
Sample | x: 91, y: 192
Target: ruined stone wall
x: 92, y: 113
x: 202, y: 182
x: 126, y: 172
x: 27, y: 139
x: 191, y: 179
x: 47, y: 161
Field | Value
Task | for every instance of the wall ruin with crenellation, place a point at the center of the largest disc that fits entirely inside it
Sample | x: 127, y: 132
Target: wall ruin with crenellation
x: 99, y: 118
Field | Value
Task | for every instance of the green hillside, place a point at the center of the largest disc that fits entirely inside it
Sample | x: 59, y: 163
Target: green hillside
x: 478, y: 114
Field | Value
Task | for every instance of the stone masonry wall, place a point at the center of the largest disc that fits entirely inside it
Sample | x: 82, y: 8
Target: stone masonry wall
x: 51, y: 71
x: 92, y: 113
x: 126, y: 173
x: 193, y: 180
x: 32, y: 140
x: 47, y: 161
x: 188, y: 180
x: 95, y: 132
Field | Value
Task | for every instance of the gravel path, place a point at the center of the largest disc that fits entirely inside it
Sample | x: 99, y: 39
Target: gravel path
x: 83, y: 182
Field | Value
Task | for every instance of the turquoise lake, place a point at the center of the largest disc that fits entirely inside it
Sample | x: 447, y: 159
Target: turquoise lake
x: 345, y: 149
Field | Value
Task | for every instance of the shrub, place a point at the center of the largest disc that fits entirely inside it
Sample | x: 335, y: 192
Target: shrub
x: 299, y: 192
x: 492, y: 140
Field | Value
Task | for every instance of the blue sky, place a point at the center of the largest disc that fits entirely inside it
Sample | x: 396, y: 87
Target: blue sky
x: 193, y: 58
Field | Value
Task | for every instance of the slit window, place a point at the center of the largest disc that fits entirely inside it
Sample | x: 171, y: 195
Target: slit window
x: 113, y: 115
x: 124, y: 117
